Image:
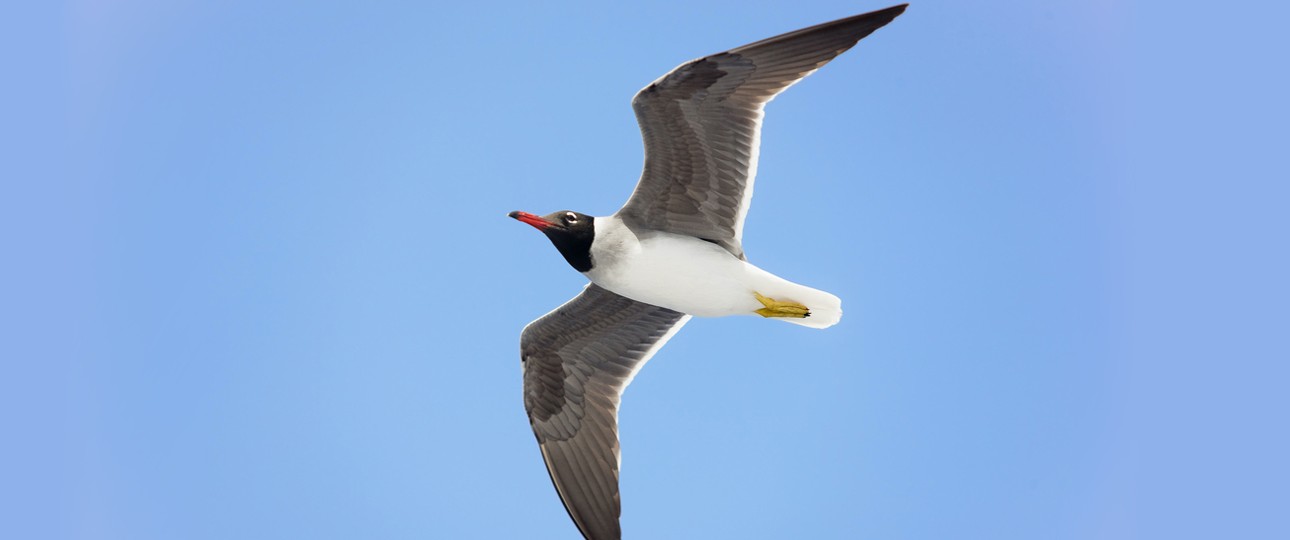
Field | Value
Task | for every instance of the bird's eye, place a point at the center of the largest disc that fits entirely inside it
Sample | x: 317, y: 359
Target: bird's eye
x: 570, y: 217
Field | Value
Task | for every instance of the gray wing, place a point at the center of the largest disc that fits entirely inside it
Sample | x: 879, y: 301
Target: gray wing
x: 702, y: 126
x: 577, y: 361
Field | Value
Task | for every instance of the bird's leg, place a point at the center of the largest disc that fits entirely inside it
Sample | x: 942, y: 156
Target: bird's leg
x: 778, y: 308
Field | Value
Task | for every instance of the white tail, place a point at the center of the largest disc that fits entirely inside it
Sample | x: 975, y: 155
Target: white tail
x: 826, y: 309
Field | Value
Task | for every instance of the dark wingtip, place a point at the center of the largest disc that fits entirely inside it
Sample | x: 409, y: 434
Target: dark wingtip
x: 887, y: 13
x: 856, y: 27
x: 514, y: 215
x: 883, y: 16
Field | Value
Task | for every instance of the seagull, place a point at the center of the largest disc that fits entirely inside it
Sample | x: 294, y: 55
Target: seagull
x: 672, y: 252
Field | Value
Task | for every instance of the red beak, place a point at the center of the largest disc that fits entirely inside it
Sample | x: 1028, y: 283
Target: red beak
x: 536, y: 221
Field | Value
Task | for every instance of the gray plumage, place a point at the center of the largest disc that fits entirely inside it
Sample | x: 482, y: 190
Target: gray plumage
x: 577, y: 361
x: 702, y: 121
x: 701, y: 126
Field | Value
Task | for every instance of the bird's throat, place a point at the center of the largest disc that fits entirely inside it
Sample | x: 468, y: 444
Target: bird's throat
x: 574, y: 245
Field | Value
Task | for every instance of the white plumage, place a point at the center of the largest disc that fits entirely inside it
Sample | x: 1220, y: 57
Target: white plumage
x: 673, y: 251
x: 689, y: 275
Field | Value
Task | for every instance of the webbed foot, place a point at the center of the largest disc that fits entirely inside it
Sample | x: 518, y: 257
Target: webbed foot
x: 779, y: 308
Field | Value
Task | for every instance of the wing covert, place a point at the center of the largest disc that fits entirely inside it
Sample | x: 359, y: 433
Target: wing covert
x: 701, y: 124
x: 577, y: 361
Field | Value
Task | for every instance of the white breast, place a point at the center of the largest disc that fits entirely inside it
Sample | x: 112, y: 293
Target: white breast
x: 678, y: 272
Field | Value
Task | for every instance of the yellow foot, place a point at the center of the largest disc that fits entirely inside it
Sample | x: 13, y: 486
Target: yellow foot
x: 777, y: 308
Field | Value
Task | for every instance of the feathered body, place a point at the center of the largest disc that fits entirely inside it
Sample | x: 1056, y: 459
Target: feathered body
x: 693, y: 276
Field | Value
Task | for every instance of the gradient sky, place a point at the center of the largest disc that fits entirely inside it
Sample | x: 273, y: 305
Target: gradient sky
x: 258, y: 281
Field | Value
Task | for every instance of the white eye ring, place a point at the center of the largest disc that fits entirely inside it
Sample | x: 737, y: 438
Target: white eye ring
x: 571, y: 217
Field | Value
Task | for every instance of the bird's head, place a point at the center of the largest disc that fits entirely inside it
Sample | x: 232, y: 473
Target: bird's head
x: 571, y: 232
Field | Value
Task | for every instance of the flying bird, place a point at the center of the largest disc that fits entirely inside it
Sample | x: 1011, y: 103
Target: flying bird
x: 672, y: 252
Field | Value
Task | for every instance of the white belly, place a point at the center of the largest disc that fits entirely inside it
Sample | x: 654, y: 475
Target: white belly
x: 680, y: 273
x: 692, y: 276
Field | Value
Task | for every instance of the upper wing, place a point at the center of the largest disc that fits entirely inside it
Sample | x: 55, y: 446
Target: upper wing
x: 577, y: 361
x: 702, y: 126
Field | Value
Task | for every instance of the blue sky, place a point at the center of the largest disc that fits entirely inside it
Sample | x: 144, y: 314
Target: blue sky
x: 259, y: 282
